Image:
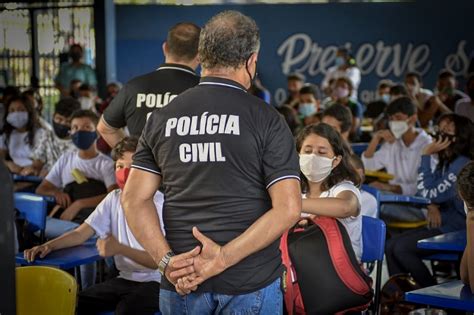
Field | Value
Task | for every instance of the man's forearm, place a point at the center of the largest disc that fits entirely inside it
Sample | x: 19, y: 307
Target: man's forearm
x: 111, y: 135
x: 145, y: 225
x: 139, y: 256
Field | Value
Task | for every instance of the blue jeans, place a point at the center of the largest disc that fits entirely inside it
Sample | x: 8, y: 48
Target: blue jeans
x: 268, y: 300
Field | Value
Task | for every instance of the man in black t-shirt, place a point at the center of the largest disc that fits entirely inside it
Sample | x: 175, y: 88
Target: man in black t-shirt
x: 230, y: 172
x: 142, y: 95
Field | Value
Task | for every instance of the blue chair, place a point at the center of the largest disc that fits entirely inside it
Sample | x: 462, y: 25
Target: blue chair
x: 373, y: 238
x: 33, y: 208
x: 359, y: 148
x: 374, y: 192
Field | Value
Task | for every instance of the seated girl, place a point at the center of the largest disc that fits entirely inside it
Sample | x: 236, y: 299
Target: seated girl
x: 452, y: 147
x: 330, y: 180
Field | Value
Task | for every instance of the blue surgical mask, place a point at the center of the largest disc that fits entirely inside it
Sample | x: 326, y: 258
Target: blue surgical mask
x: 307, y: 109
x: 385, y: 98
x: 340, y: 61
x: 17, y: 119
x: 84, y: 139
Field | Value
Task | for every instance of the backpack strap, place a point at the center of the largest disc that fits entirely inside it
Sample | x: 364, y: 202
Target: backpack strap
x: 289, y: 294
x: 339, y: 256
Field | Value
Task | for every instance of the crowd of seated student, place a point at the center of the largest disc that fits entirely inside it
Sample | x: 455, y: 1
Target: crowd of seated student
x: 453, y: 147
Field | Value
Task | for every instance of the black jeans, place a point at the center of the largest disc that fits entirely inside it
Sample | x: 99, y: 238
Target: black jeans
x: 403, y: 255
x: 123, y: 296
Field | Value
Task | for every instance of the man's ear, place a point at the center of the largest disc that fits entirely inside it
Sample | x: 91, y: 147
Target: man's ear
x: 165, y: 49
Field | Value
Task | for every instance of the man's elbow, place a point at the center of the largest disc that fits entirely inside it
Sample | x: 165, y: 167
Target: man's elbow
x: 293, y: 212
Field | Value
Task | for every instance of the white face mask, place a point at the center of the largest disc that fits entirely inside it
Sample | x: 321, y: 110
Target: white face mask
x: 315, y: 167
x: 398, y: 128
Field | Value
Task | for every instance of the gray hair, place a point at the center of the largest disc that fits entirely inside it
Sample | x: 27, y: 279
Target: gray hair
x: 227, y: 40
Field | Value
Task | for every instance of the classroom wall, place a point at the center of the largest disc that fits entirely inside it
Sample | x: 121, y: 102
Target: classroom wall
x: 387, y: 39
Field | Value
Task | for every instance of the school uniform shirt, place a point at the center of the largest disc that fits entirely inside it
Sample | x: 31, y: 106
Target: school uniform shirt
x: 100, y: 168
x: 218, y: 150
x: 50, y: 148
x: 138, y: 98
x: 368, y: 204
x: 18, y: 147
x: 108, y: 218
x: 400, y: 161
x: 352, y: 224
x: 439, y: 185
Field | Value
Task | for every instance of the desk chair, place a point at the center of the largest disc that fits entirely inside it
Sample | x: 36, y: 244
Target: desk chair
x: 373, y: 239
x: 374, y: 192
x: 45, y: 290
x: 33, y: 208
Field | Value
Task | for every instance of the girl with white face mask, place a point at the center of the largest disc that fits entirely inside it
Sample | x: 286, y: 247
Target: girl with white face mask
x: 329, y: 181
x: 20, y: 133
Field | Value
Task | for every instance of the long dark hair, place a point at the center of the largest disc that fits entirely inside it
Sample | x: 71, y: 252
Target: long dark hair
x: 463, y: 143
x: 32, y: 124
x: 344, y: 171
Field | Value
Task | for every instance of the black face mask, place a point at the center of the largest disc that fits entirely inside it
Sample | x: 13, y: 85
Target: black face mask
x: 444, y: 136
x: 62, y: 131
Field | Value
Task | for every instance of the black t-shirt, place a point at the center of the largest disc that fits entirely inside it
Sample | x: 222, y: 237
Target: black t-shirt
x: 142, y: 95
x: 218, y: 149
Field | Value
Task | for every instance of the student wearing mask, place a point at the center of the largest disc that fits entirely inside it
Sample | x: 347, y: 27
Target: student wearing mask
x: 400, y: 155
x: 376, y: 108
x: 74, y: 70
x: 340, y: 118
x: 295, y: 82
x: 21, y: 133
x: 37, y: 101
x: 85, y: 164
x: 453, y: 148
x: 465, y: 186
x: 330, y: 180
x: 136, y: 289
x: 415, y: 90
x: 466, y: 107
x: 53, y: 144
x: 310, y: 98
x: 345, y: 66
x: 341, y: 94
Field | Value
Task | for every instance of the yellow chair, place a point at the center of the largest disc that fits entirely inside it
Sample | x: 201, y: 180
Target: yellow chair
x: 407, y: 225
x: 45, y: 290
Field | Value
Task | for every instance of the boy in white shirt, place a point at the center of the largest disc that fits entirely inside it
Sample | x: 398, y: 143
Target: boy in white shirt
x: 136, y: 289
x: 85, y: 164
x: 400, y: 155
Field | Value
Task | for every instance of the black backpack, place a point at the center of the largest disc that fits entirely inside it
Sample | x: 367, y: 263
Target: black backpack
x: 323, y: 275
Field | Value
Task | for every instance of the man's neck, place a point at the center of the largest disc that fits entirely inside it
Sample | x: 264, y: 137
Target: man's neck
x: 409, y: 136
x: 89, y: 153
x: 191, y: 64
x: 238, y: 75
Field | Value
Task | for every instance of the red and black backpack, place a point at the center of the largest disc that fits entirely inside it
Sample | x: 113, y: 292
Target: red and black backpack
x: 323, y: 275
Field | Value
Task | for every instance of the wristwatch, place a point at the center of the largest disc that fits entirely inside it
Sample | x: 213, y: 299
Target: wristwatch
x: 164, y: 262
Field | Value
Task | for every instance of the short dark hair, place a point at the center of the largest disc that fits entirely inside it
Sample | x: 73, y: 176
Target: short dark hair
x: 402, y: 105
x: 85, y: 87
x: 384, y: 84
x: 76, y: 46
x: 85, y: 113
x: 416, y: 75
x: 228, y: 40
x: 465, y: 184
x: 445, y: 74
x: 311, y: 89
x: 295, y: 77
x: 398, y: 89
x: 66, y: 106
x: 344, y: 171
x: 347, y: 80
x: 291, y: 117
x: 183, y: 40
x: 342, y: 114
x: 127, y: 144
